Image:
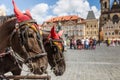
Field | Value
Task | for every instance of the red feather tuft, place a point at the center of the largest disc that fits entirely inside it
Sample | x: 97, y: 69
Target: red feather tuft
x: 54, y: 35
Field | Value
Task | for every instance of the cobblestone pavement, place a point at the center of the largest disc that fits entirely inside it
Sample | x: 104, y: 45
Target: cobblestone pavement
x: 100, y: 64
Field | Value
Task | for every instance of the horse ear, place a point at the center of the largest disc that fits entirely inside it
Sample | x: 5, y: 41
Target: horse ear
x: 49, y: 36
x: 28, y: 13
x: 60, y: 33
x: 17, y: 12
x: 54, y: 35
x: 20, y: 16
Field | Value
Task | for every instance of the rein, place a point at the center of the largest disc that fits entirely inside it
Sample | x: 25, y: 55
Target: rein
x: 38, y: 39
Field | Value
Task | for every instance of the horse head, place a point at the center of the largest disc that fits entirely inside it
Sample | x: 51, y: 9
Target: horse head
x: 26, y: 41
x: 54, y: 48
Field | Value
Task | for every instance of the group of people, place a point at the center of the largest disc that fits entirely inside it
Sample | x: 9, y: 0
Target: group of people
x: 113, y: 42
x: 83, y: 43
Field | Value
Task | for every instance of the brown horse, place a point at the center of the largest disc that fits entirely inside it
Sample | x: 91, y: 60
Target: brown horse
x: 54, y: 49
x: 26, y: 41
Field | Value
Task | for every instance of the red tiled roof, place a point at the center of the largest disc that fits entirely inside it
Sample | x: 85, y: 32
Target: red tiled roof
x: 63, y: 18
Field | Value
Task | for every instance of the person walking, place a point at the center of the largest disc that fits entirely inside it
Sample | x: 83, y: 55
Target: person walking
x: 86, y: 43
x: 82, y: 42
x: 94, y: 43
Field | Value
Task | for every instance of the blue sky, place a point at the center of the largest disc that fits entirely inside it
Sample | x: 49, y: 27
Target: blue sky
x: 42, y: 10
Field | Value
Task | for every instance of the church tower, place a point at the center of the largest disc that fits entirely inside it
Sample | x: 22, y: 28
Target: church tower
x: 105, y: 5
x: 104, y: 17
x: 105, y: 8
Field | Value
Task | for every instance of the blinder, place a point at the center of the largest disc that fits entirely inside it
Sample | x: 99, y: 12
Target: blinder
x: 57, y: 43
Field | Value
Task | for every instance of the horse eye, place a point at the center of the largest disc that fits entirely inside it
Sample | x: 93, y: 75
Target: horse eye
x: 30, y: 35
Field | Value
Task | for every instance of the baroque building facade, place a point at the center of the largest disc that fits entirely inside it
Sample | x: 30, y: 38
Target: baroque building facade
x: 92, y: 28
x: 110, y: 20
x: 75, y: 26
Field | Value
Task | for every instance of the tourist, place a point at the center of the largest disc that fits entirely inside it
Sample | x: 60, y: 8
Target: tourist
x: 82, y: 42
x: 86, y: 43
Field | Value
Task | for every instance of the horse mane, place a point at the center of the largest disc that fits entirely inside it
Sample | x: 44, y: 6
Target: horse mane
x: 3, y: 19
x: 45, y: 33
x: 7, y: 25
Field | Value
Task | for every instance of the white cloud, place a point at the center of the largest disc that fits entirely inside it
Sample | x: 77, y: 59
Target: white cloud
x: 80, y: 7
x: 96, y: 11
x: 42, y: 12
x: 3, y: 10
x: 39, y: 12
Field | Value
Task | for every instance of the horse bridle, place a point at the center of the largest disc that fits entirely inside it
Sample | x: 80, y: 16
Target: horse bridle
x: 56, y: 61
x: 21, y: 35
x: 55, y: 40
x: 52, y: 45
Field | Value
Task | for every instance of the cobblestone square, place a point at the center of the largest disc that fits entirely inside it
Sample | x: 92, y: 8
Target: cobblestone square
x: 100, y: 64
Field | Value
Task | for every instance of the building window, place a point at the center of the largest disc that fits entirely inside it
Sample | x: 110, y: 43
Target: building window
x: 95, y: 32
x: 112, y: 33
x: 105, y: 4
x: 87, y: 26
x: 105, y: 19
x: 109, y: 33
x: 95, y: 26
x: 91, y: 26
x: 105, y: 33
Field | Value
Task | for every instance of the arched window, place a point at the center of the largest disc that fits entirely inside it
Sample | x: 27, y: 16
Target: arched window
x: 105, y: 4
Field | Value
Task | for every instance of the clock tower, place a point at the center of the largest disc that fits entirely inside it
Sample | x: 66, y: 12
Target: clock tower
x: 105, y: 8
x: 109, y: 19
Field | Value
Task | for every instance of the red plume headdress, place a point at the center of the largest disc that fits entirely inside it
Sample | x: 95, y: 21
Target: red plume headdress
x: 53, y: 34
x: 20, y: 16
